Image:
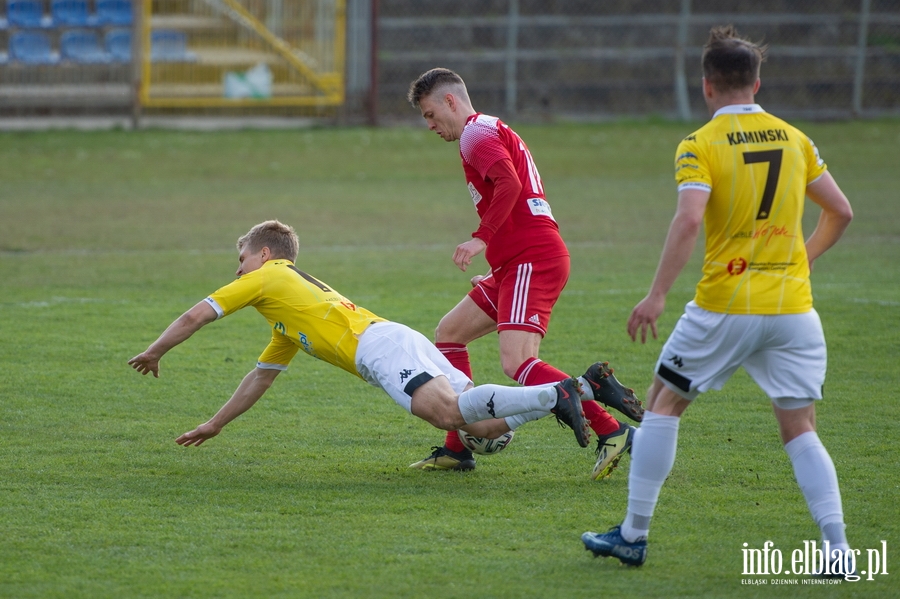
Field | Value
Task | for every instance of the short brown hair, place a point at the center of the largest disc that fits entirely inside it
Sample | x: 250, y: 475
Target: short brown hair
x: 281, y: 239
x: 729, y: 61
x: 429, y: 81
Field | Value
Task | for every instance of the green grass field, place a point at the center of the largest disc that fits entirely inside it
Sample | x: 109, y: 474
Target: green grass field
x: 106, y: 237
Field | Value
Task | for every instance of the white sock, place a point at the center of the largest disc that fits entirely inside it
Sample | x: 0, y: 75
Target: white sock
x: 496, y: 401
x: 517, y: 420
x: 817, y: 478
x: 652, y: 458
x: 586, y: 392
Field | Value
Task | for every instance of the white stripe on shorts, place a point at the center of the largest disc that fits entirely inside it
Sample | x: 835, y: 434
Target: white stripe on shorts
x: 520, y: 293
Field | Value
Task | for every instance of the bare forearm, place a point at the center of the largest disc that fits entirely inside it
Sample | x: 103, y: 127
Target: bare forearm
x: 177, y: 332
x: 836, y: 215
x: 827, y: 232
x: 244, y: 397
x: 677, y: 251
x: 183, y: 327
x: 248, y: 392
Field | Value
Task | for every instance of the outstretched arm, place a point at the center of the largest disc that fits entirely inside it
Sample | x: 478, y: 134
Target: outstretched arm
x: 836, y: 215
x: 677, y: 251
x: 248, y: 392
x: 184, y: 326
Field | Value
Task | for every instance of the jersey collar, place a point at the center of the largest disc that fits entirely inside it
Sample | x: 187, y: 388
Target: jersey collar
x: 739, y: 109
x: 276, y: 262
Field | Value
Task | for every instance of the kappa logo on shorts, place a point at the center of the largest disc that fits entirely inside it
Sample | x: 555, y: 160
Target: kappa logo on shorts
x: 406, y: 373
x: 676, y: 360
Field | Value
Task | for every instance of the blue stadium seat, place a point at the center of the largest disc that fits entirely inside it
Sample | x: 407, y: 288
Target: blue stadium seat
x: 31, y: 47
x: 118, y: 45
x: 114, y: 12
x: 170, y: 46
x: 68, y: 13
x: 79, y: 45
x: 27, y: 14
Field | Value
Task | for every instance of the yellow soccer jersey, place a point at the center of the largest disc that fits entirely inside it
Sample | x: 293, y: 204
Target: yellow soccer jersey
x: 756, y: 168
x: 304, y: 313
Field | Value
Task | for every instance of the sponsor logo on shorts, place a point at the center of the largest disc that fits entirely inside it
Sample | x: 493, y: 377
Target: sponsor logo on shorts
x: 676, y: 360
x: 535, y: 319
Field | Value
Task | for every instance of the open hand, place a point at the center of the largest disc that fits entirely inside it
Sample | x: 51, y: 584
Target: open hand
x: 198, y: 435
x: 145, y: 363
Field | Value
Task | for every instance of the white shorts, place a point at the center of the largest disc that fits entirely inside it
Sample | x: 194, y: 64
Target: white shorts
x: 785, y: 353
x: 399, y: 360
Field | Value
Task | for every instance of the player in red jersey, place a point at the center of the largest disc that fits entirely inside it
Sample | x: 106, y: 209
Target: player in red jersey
x: 529, y: 266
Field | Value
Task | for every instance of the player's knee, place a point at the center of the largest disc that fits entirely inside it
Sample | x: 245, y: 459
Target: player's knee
x: 446, y: 420
x: 511, y: 364
x: 443, y: 415
x: 444, y: 332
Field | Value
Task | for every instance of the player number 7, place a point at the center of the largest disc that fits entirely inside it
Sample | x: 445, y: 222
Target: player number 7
x: 773, y: 157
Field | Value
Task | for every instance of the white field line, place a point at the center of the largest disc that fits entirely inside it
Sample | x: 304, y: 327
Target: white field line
x: 56, y: 301
x: 324, y: 249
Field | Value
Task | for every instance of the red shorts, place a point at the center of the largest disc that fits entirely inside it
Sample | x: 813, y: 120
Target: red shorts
x: 520, y: 297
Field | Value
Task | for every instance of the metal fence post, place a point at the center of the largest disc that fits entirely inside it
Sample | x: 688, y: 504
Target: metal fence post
x: 512, y: 44
x: 861, y: 47
x: 137, y: 57
x: 372, y: 100
x: 681, y: 89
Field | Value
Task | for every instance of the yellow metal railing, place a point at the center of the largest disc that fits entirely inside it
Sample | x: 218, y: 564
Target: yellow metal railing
x: 189, y: 48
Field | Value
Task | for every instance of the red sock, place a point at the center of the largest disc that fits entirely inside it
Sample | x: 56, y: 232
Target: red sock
x: 458, y: 356
x: 602, y: 421
x: 535, y: 372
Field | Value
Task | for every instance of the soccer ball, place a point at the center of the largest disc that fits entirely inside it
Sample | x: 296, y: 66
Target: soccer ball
x: 483, y: 446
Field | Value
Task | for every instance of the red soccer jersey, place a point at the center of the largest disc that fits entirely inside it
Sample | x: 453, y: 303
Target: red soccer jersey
x: 518, y: 229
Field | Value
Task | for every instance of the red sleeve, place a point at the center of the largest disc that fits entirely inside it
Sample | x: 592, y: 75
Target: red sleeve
x: 507, y: 189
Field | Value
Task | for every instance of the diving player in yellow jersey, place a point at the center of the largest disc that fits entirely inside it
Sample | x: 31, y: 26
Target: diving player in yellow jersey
x: 744, y: 176
x: 309, y: 315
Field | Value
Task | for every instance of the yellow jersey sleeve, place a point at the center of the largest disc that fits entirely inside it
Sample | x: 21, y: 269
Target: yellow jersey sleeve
x: 240, y: 293
x: 816, y: 167
x: 692, y: 166
x: 279, y: 353
x: 756, y: 168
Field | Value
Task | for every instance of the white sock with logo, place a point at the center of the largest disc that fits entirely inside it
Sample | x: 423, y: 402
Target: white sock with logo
x: 496, y: 401
x: 817, y: 478
x: 652, y: 457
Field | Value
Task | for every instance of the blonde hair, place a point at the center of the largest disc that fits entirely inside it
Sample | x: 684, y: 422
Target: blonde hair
x: 281, y: 239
